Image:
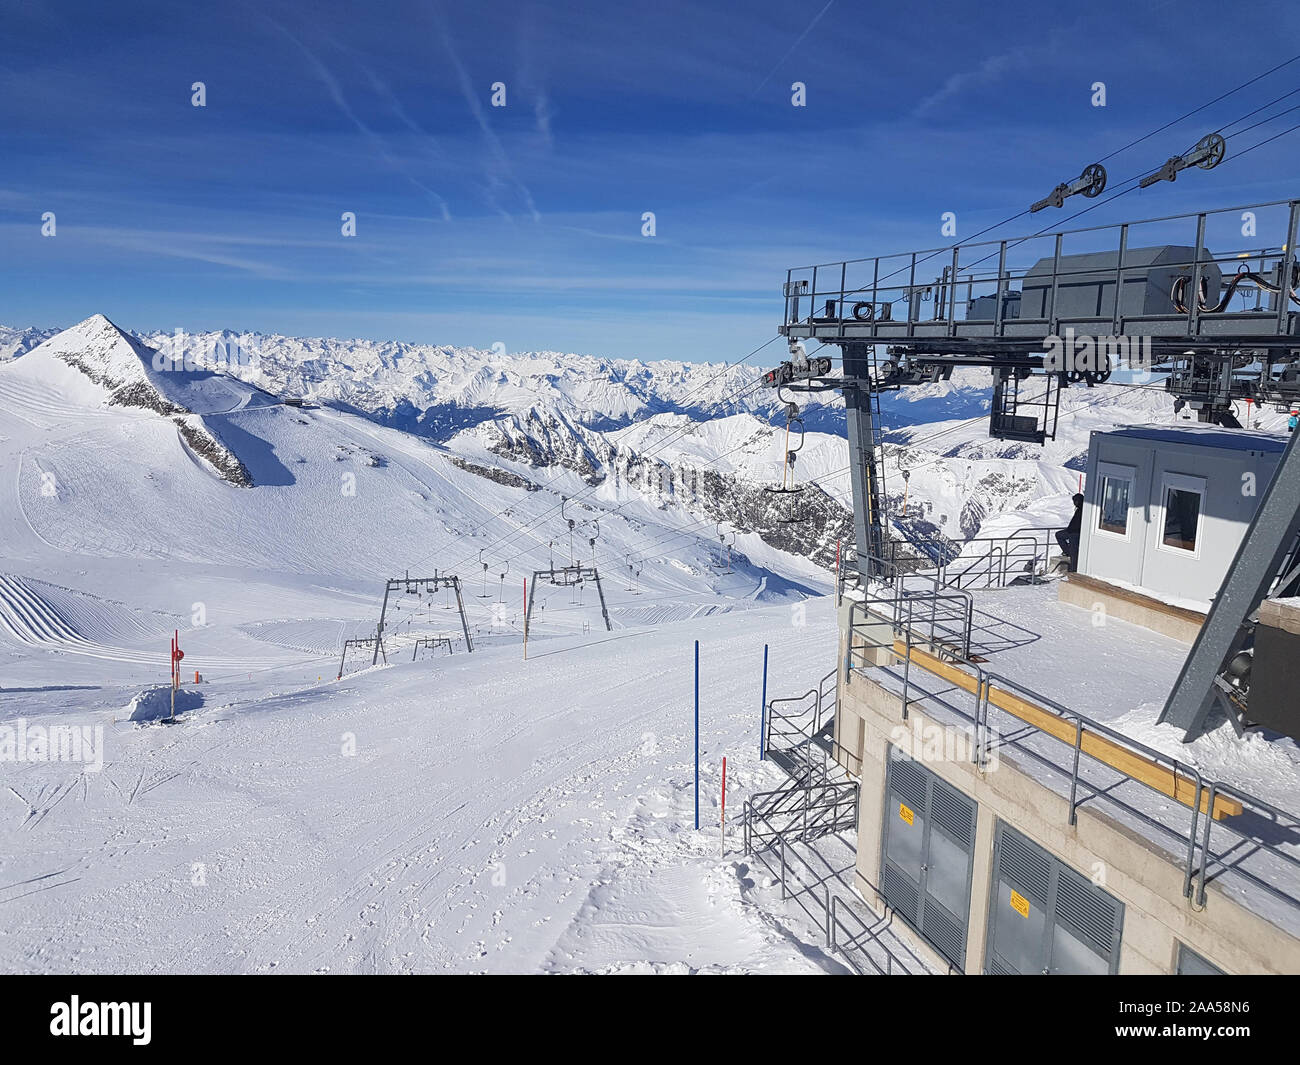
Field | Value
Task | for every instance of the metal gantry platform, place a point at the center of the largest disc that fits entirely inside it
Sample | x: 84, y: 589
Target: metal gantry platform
x: 567, y: 577
x: 997, y: 298
x: 420, y: 586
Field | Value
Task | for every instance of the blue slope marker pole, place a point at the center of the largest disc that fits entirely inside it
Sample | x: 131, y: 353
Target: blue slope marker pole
x: 762, y: 713
x: 697, y: 735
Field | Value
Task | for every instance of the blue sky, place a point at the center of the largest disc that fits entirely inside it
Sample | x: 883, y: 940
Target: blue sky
x: 522, y: 225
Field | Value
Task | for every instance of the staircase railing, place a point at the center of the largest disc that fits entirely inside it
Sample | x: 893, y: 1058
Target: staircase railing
x: 825, y: 896
x: 793, y: 726
x: 809, y: 812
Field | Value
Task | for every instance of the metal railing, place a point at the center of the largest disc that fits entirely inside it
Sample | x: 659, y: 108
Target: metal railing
x: 996, y: 562
x: 918, y: 595
x: 1205, y: 792
x: 794, y: 723
x: 825, y: 896
x: 815, y: 810
x: 968, y: 285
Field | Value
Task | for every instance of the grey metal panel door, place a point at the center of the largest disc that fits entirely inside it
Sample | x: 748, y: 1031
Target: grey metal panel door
x: 929, y: 838
x: 1045, y: 917
x: 1192, y: 964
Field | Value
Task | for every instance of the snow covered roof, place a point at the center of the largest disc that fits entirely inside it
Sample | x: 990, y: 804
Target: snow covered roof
x: 1198, y: 434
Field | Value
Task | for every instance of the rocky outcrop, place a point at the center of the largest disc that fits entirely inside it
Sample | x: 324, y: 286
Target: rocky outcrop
x: 497, y: 474
x: 806, y: 523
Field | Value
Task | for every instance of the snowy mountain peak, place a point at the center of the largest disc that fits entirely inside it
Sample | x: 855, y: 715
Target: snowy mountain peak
x: 117, y: 370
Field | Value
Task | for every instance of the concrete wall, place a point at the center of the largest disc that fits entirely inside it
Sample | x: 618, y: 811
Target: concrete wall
x: 1133, y: 607
x: 1140, y: 557
x: 1146, y: 878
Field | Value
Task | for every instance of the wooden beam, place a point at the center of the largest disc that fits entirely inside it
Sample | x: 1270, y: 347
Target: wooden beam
x: 1095, y: 744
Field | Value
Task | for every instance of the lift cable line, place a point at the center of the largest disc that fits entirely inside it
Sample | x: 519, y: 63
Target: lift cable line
x: 527, y: 527
x: 675, y: 435
x: 659, y: 446
x: 656, y: 448
x: 1198, y: 110
x: 987, y: 229
x: 1251, y: 114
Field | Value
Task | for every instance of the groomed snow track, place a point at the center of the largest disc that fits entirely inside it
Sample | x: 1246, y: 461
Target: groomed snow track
x: 70, y: 621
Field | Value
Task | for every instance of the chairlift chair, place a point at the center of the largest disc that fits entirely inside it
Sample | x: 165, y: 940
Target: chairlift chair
x: 794, y: 513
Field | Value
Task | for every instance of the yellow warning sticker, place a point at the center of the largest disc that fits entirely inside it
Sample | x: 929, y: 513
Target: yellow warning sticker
x: 1019, y: 903
x: 905, y: 813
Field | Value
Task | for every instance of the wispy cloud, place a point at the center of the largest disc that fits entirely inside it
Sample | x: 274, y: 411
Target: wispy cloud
x: 340, y: 99
x: 501, y: 172
x: 991, y: 70
x: 531, y: 83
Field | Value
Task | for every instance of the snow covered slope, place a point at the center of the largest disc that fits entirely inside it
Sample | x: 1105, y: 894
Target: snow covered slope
x: 106, y: 493
x: 420, y: 818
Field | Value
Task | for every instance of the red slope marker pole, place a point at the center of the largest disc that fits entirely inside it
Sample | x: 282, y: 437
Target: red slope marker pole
x: 176, y: 647
x: 724, y: 806
x: 525, y: 619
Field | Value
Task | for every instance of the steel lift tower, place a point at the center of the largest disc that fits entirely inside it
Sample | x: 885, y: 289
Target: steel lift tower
x: 1136, y: 303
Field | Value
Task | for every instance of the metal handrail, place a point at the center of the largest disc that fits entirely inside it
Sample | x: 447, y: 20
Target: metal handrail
x: 828, y: 902
x: 1010, y: 545
x: 986, y: 679
x: 833, y: 922
x: 967, y: 616
x: 786, y: 725
x: 1064, y: 232
x: 1246, y: 799
x: 832, y: 796
x: 953, y: 278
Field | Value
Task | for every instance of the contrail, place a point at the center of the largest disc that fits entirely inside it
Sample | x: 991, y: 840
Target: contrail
x: 798, y: 40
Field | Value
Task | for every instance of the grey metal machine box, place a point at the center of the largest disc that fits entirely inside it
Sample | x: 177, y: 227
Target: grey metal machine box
x: 1086, y: 283
x: 983, y: 308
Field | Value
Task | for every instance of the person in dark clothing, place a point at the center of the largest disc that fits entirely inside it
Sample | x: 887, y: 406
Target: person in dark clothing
x: 1068, y: 537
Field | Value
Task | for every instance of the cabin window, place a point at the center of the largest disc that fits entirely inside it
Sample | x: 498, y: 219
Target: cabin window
x: 1182, y: 517
x: 1112, y: 515
x: 1116, y: 493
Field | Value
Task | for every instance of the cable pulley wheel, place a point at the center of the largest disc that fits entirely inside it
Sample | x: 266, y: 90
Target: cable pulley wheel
x: 1215, y: 146
x: 1096, y: 175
